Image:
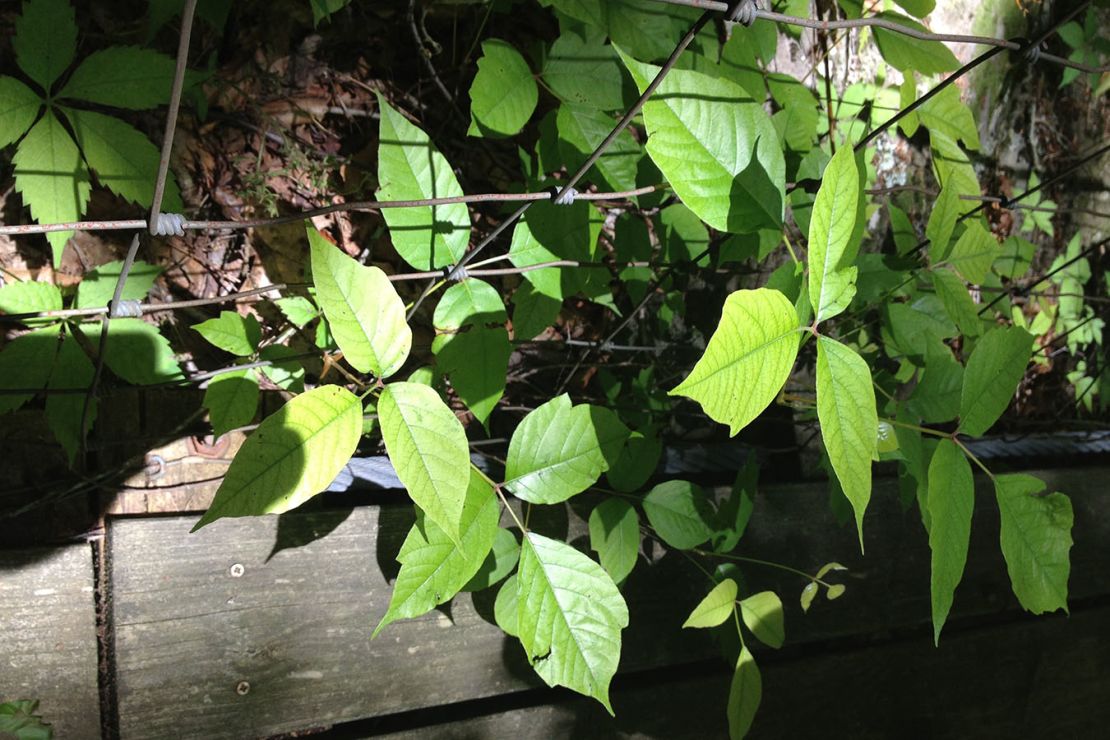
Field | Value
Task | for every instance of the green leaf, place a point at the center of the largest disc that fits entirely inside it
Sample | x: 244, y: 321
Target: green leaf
x: 570, y: 617
x: 736, y: 510
x: 974, y: 253
x: 942, y: 221
x: 293, y: 455
x: 505, y: 610
x: 762, y: 614
x: 951, y: 499
x: 72, y: 369
x: 232, y: 400
x: 957, y: 301
x: 680, y: 513
x: 636, y: 462
x: 581, y: 131
x: 498, y: 563
x: 936, y: 399
x: 98, y: 286
x: 297, y: 310
x: 232, y: 333
x: 19, y: 721
x: 909, y: 54
x: 532, y: 311
x: 122, y: 157
x: 808, y: 593
x: 744, y: 695
x: 286, y: 371
x: 584, y: 70
x: 715, y: 608
x: 411, y: 168
x: 427, y: 445
x: 123, y: 77
x: 716, y: 147
x: 503, y: 94
x: 560, y: 450
x: 433, y: 567
x: 30, y: 297
x: 366, y: 316
x: 747, y: 360
x: 849, y: 421
x: 993, y: 372
x: 1035, y: 538
x: 26, y: 362
x: 946, y: 112
x: 474, y: 354
x: 45, y: 39
x: 136, y: 351
x: 548, y: 233
x: 832, y: 285
x: 20, y: 109
x: 615, y: 537
x: 52, y: 178
x: 918, y: 8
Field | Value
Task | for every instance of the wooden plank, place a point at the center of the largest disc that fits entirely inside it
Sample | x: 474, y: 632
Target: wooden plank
x: 1036, y: 678
x: 48, y: 636
x: 215, y: 639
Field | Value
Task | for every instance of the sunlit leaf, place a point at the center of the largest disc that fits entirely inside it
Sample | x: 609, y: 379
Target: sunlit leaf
x: 295, y: 453
x: 98, y: 286
x: 232, y: 333
x: 20, y: 108
x: 503, y: 93
x: 570, y: 617
x: 715, y: 608
x: 45, y: 39
x: 831, y: 284
x: 973, y: 253
x: 30, y: 297
x: 122, y: 77
x: 762, y: 614
x: 744, y: 695
x: 908, y: 54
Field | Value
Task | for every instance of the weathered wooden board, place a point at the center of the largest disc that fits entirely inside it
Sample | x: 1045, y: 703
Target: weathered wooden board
x: 1035, y: 678
x: 214, y: 639
x: 292, y: 632
x: 48, y: 636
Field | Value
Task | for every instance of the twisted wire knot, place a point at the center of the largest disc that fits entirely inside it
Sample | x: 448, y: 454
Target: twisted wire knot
x: 455, y: 273
x: 1029, y: 51
x: 168, y: 224
x: 126, y: 309
x: 744, y: 13
x: 563, y: 196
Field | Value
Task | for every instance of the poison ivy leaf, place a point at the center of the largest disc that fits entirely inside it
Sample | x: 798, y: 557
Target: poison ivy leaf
x: 849, y: 420
x: 232, y: 333
x: 744, y: 695
x: 286, y: 372
x: 549, y: 233
x: 581, y: 131
x: 762, y: 614
x: 21, y: 108
x: 584, y: 70
x: 942, y: 221
x: 1016, y: 258
x: 474, y: 354
x: 946, y: 112
x: 1035, y: 538
x: 680, y: 513
x: 715, y: 608
x: 232, y: 400
x: 505, y: 610
x: 427, y: 445
x: 918, y: 8
x: 293, y: 455
x: 957, y: 301
x: 936, y: 399
x: 570, y: 617
x: 26, y: 362
x: 716, y: 147
x: 747, y: 360
x: 123, y: 77
x: 411, y: 168
x: 98, y: 286
x: 532, y: 311
x: 832, y: 285
x: 51, y: 176
x: 45, y: 39
x: 498, y: 563
x: 951, y: 499
x: 298, y: 310
x: 647, y: 32
x: 366, y: 316
x: 433, y: 567
x: 974, y: 253
x: 30, y: 297
x: 994, y: 370
x: 908, y: 54
x: 636, y: 463
x: 560, y: 450
x: 72, y: 369
x: 123, y: 158
x: 615, y: 537
x: 136, y: 351
x: 503, y: 94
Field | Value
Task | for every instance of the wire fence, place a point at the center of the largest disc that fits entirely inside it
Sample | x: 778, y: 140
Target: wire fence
x: 746, y: 12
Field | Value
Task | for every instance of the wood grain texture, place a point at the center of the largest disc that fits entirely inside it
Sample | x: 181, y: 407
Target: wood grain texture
x: 293, y: 632
x: 48, y: 636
